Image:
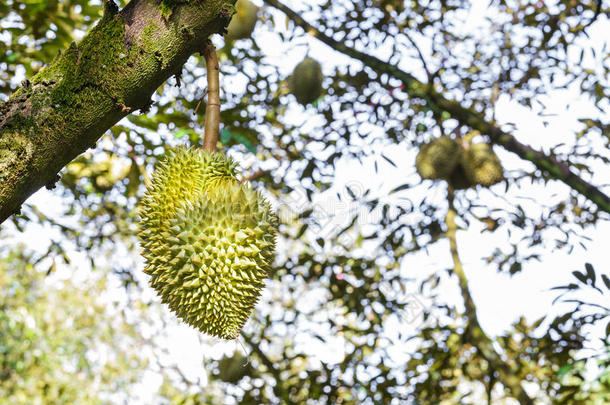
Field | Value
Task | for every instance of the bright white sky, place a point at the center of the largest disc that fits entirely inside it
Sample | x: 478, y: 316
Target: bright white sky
x: 500, y: 299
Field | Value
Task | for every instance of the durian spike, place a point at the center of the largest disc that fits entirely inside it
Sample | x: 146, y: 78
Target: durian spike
x: 212, y: 112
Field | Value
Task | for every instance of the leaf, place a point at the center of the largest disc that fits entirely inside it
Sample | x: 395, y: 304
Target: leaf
x: 134, y: 179
x: 570, y: 286
x: 308, y: 169
x: 180, y: 134
x: 388, y: 160
x: 302, y: 231
x: 226, y: 136
x: 582, y: 277
x: 400, y: 188
x: 353, y: 221
x: 351, y: 192
x: 51, y: 268
x: 590, y: 273
x: 564, y: 370
x: 65, y: 257
x: 536, y: 324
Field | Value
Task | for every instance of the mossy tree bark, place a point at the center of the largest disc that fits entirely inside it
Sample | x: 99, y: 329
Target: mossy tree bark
x: 113, y: 71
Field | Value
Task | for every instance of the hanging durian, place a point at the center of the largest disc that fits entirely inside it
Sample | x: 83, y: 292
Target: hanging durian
x: 482, y: 166
x: 437, y: 159
x: 458, y: 179
x: 243, y: 21
x: 233, y: 368
x: 207, y: 239
x: 306, y: 81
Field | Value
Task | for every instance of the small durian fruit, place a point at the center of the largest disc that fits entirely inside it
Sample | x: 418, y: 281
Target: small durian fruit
x: 306, y: 81
x: 482, y: 165
x: 243, y: 21
x: 437, y: 159
x: 208, y: 241
x: 233, y: 368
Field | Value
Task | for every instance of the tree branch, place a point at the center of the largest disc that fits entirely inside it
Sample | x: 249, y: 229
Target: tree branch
x: 465, y: 116
x: 278, y: 388
x: 474, y: 333
x: 113, y: 71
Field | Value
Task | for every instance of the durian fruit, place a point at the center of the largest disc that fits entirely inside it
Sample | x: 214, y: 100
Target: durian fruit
x: 482, y: 166
x: 437, y: 159
x: 306, y: 81
x: 233, y: 368
x: 458, y: 179
x: 208, y: 240
x: 243, y: 21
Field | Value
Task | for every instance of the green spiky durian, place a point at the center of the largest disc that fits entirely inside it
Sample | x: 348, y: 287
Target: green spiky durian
x: 437, y: 159
x: 243, y: 21
x: 306, y: 81
x: 207, y: 239
x: 482, y: 165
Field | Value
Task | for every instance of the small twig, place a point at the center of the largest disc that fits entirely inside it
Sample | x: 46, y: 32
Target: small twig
x: 598, y: 11
x: 205, y: 93
x: 421, y: 57
x: 212, y: 112
x: 279, y: 387
x: 245, y: 352
x: 254, y: 176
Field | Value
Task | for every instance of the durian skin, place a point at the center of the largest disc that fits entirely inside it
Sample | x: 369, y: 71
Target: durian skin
x: 306, y: 81
x: 243, y: 21
x: 437, y: 159
x: 208, y: 241
x: 482, y: 166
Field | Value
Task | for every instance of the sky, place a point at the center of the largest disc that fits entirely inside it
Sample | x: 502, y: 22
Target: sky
x: 500, y: 298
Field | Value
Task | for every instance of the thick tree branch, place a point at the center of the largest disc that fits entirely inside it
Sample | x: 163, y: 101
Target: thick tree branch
x: 113, y: 71
x: 416, y: 89
x: 474, y: 333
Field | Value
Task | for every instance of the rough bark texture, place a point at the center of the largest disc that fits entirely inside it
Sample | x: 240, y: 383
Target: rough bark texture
x: 113, y: 71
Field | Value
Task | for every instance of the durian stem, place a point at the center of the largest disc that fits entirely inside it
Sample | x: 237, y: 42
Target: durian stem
x: 474, y: 333
x: 212, y: 112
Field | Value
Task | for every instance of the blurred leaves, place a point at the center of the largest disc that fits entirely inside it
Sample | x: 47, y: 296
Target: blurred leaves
x: 58, y: 341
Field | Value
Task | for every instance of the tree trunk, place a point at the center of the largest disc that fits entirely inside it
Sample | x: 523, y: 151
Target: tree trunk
x: 113, y: 71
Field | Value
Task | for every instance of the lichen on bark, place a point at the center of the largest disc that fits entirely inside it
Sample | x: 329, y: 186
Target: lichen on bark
x: 113, y: 71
